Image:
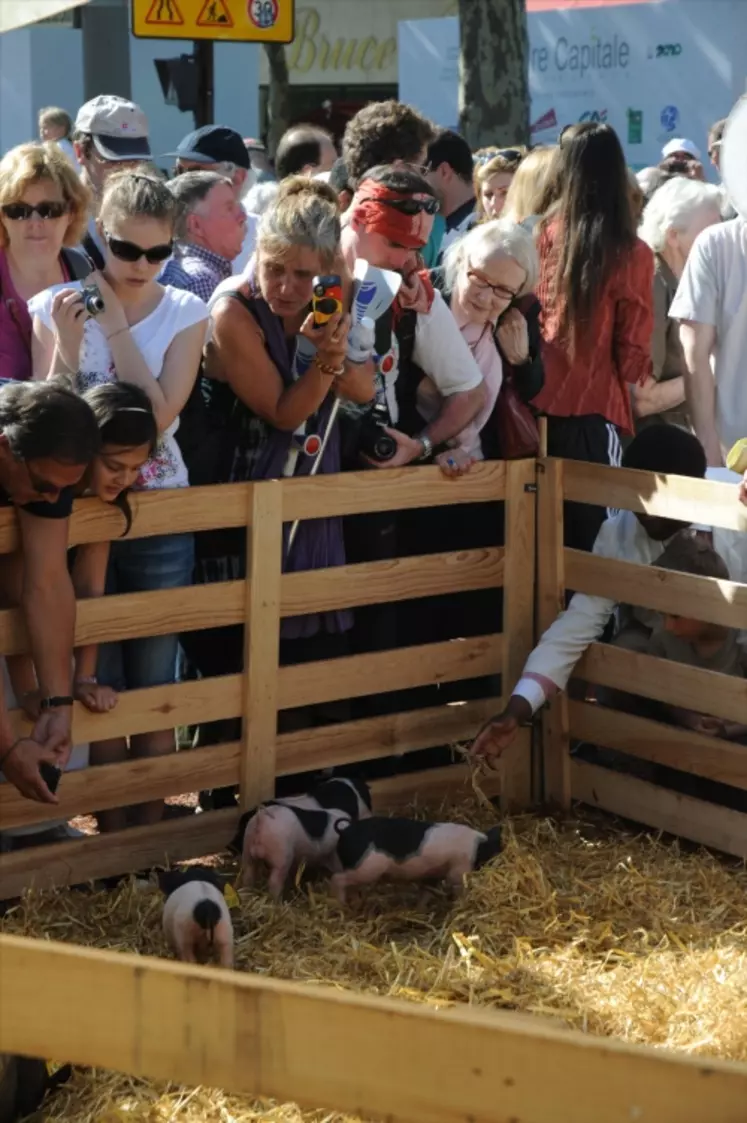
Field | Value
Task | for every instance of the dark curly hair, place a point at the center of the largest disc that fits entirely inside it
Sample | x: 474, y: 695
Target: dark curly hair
x: 381, y: 133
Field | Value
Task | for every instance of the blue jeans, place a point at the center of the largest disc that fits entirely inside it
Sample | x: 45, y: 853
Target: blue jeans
x: 145, y: 565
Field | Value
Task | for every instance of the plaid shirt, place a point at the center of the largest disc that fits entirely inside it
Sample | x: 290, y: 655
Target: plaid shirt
x: 196, y: 270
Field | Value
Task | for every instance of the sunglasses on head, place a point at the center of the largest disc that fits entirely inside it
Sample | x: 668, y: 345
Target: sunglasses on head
x: 24, y: 211
x: 129, y: 251
x: 416, y: 204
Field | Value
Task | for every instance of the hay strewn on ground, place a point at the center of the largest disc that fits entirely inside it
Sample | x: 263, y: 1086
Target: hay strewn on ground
x: 613, y: 933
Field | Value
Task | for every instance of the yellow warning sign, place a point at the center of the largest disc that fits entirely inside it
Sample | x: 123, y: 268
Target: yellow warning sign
x: 239, y: 21
x: 215, y: 13
x: 164, y: 12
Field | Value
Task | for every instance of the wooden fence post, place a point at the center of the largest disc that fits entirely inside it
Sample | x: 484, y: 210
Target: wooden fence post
x: 518, y: 619
x: 551, y: 601
x: 264, y: 545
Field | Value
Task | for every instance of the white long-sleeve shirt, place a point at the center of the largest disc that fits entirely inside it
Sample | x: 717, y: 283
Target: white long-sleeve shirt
x: 622, y: 537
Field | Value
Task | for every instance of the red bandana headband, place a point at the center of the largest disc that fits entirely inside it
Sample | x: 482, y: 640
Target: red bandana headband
x: 371, y: 211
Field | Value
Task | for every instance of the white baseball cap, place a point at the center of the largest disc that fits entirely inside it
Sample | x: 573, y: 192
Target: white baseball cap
x: 119, y: 128
x: 681, y: 144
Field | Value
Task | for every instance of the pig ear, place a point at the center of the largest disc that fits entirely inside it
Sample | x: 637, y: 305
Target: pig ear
x: 169, y: 880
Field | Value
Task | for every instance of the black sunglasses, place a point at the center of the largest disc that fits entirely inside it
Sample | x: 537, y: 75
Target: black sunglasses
x: 24, y: 211
x: 415, y: 205
x: 129, y: 251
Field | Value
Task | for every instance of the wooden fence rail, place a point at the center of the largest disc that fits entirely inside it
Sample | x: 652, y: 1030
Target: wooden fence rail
x: 378, y: 1058
x: 701, y: 502
x: 265, y: 688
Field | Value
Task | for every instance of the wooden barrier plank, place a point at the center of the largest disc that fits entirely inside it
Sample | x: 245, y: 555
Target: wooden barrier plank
x: 170, y: 511
x: 97, y: 789
x: 550, y: 601
x: 189, y: 703
x: 395, y: 579
x: 264, y: 549
x: 518, y: 617
x: 157, y: 707
x: 103, y: 855
x: 666, y: 681
x: 131, y: 615
x: 631, y: 798
x: 376, y: 1057
x: 357, y: 675
x: 706, y: 598
x: 672, y: 497
x: 375, y: 737
x: 390, y: 489
x: 709, y: 757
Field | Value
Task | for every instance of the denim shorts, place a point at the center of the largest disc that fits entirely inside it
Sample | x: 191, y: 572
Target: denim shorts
x: 145, y: 565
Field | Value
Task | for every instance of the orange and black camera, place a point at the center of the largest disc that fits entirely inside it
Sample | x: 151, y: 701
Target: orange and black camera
x: 326, y: 300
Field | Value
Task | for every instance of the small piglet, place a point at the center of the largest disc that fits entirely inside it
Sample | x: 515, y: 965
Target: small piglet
x: 282, y: 833
x: 196, y: 920
x: 407, y: 850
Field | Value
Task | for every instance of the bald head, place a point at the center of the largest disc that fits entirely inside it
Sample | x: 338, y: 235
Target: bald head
x: 304, y: 150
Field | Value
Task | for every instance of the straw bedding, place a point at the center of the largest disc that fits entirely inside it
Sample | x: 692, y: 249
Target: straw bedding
x: 611, y: 932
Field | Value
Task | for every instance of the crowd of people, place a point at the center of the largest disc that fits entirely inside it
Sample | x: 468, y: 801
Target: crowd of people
x: 156, y: 333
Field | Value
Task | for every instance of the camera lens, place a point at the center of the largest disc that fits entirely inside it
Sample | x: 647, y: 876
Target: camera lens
x: 384, y: 447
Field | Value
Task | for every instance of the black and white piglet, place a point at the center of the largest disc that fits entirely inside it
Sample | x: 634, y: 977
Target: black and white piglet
x: 408, y: 850
x: 196, y: 920
x: 282, y: 833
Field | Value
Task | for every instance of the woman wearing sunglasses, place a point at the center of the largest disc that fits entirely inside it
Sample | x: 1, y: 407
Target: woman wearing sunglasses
x: 43, y: 212
x: 151, y: 336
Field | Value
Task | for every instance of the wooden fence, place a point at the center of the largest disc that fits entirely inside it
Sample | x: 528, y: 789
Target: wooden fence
x: 723, y: 602
x: 265, y: 687
x: 374, y: 1057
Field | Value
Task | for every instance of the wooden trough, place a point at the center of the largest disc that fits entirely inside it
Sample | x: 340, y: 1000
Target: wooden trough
x: 378, y: 1058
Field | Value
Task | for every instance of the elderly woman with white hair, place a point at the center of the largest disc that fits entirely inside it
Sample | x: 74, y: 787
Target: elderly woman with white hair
x: 676, y: 213
x: 488, y: 278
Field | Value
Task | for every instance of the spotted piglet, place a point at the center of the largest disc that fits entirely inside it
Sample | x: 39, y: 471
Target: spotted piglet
x: 282, y: 837
x: 196, y: 920
x: 282, y: 833
x: 408, y: 850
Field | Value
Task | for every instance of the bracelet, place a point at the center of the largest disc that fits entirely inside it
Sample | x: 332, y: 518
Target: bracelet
x: 57, y: 701
x: 119, y: 331
x: 331, y: 372
x: 427, y: 444
x: 87, y: 680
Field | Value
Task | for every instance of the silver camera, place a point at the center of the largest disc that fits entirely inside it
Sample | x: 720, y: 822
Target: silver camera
x: 93, y: 302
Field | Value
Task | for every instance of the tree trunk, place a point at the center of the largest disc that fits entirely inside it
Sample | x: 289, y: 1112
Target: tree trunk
x: 493, y: 72
x: 278, y: 100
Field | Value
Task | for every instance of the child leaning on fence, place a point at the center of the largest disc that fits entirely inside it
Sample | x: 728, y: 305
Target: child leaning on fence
x: 711, y: 647
x: 627, y: 536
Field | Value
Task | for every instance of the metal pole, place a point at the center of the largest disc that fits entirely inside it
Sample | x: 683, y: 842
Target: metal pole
x: 315, y: 467
x: 204, y: 60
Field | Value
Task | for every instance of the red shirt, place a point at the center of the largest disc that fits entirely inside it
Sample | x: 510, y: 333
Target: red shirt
x: 612, y: 351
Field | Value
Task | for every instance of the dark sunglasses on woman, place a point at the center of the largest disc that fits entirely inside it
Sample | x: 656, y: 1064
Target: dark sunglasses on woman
x: 24, y: 211
x: 129, y: 251
x: 416, y: 204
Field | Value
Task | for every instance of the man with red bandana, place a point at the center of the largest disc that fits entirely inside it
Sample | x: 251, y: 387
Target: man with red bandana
x: 388, y: 223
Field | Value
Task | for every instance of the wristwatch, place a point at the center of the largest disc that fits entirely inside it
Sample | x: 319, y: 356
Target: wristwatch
x: 427, y: 444
x: 56, y: 702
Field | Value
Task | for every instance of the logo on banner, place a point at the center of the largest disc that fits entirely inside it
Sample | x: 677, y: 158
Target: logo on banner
x: 548, y: 120
x: 215, y: 13
x: 164, y: 11
x: 670, y: 117
x: 635, y: 126
x: 597, y: 116
x: 665, y: 50
x: 262, y: 13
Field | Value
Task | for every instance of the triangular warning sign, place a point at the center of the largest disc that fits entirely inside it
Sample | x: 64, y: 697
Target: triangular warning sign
x: 215, y: 13
x: 165, y: 12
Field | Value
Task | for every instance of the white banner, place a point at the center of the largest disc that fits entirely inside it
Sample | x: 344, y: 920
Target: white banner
x: 19, y: 13
x: 652, y: 71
